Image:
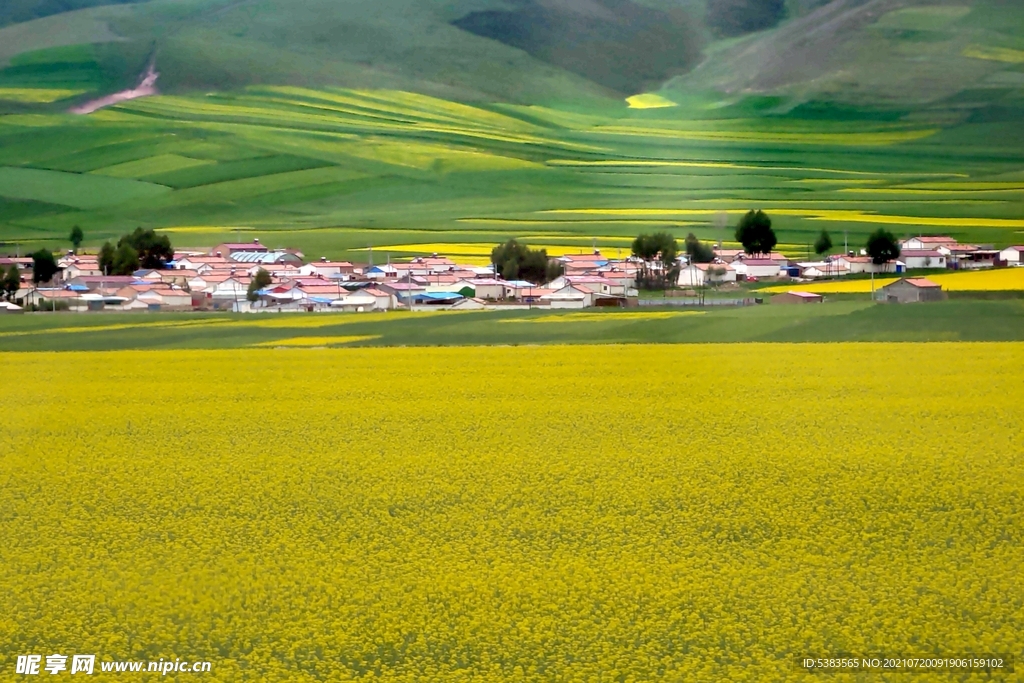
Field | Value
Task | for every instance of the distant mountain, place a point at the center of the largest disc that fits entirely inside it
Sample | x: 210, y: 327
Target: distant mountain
x: 872, y: 52
x: 879, y: 52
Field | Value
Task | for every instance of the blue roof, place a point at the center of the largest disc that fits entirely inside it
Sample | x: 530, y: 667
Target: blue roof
x: 320, y: 300
x: 439, y: 296
x: 78, y: 288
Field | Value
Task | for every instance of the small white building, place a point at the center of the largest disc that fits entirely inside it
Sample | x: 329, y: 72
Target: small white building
x: 759, y: 268
x: 923, y: 258
x: 569, y: 296
x: 1012, y: 255
x: 384, y: 300
x: 696, y: 274
x: 331, y: 269
x: 488, y: 288
x: 927, y: 242
x: 597, y: 285
x: 356, y: 302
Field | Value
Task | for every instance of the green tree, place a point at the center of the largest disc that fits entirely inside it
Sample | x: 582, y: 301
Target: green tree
x: 106, y: 258
x: 261, y: 280
x: 76, y: 237
x: 657, y: 254
x: 126, y: 260
x: 823, y: 244
x: 755, y: 233
x: 12, y: 282
x: 44, y: 266
x: 882, y: 247
x: 698, y: 251
x: 152, y: 250
x: 516, y: 261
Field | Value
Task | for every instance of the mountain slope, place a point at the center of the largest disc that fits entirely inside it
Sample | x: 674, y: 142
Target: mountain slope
x: 877, y: 52
x: 616, y: 43
x: 407, y: 44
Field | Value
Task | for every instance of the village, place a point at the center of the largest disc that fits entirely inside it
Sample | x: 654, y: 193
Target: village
x: 222, y: 278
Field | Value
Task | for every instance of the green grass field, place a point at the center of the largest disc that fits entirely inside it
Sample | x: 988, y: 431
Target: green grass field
x: 336, y: 171
x: 842, y: 321
x: 428, y: 144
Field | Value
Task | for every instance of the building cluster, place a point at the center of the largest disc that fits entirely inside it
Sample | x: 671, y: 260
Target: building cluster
x: 916, y: 253
x: 221, y: 279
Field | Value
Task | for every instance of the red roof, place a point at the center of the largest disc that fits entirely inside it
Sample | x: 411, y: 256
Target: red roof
x: 761, y: 262
x: 921, y: 282
x: 805, y: 295
x: 935, y: 239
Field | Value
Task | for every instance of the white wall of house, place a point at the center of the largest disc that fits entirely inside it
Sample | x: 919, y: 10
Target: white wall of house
x: 762, y: 271
x: 937, y: 262
x: 692, y: 276
x: 1012, y: 255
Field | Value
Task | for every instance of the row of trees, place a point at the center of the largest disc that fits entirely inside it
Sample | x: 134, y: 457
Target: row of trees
x: 756, y: 235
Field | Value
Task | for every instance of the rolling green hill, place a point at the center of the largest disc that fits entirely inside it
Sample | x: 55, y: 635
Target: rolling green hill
x: 335, y: 125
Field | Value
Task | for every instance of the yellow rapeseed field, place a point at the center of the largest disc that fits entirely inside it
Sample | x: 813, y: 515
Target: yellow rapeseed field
x: 846, y: 215
x: 995, y: 54
x: 990, y: 280
x: 569, y: 514
x: 597, y: 317
x: 649, y: 101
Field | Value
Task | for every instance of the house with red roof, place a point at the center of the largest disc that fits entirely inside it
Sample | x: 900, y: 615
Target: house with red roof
x: 923, y: 258
x: 1013, y: 256
x: 928, y: 242
x: 795, y: 297
x: 228, y: 248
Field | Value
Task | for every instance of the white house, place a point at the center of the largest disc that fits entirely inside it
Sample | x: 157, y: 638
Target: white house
x: 863, y: 264
x: 487, y: 287
x: 201, y: 263
x: 815, y: 269
x: 696, y: 274
x: 356, y: 302
x: 758, y: 268
x: 598, y: 285
x: 331, y: 269
x: 1012, y: 255
x: 166, y: 298
x: 569, y: 296
x: 81, y: 267
x: 927, y: 242
x: 923, y: 258
x: 231, y: 288
x: 384, y: 300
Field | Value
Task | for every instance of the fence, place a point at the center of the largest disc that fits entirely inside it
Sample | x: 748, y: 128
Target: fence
x: 694, y: 302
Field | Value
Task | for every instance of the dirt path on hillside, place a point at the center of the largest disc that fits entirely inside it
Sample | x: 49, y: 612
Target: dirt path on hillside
x: 145, y: 88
